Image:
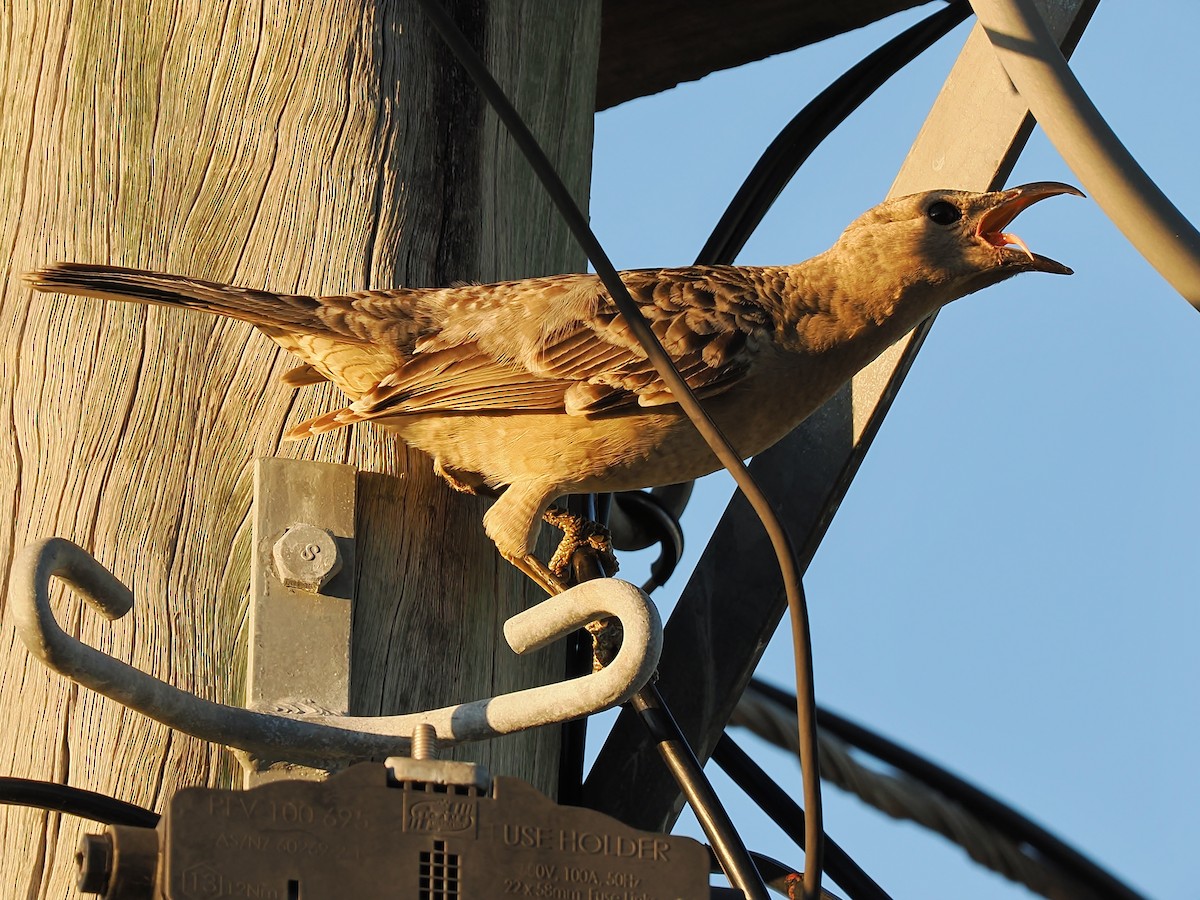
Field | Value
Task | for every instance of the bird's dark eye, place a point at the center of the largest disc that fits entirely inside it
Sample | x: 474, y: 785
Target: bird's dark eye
x: 943, y: 213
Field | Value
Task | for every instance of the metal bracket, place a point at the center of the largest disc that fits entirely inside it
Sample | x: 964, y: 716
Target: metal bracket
x: 321, y: 740
x: 302, y: 581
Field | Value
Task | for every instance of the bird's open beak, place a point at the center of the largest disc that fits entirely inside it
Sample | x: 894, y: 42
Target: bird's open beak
x: 1009, y: 205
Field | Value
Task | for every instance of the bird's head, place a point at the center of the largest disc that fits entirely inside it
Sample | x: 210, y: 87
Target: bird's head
x: 941, y: 245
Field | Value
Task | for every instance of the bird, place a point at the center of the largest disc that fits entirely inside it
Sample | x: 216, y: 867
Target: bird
x: 533, y: 389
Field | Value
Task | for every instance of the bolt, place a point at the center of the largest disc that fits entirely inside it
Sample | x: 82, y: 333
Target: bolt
x: 306, y: 557
x: 93, y: 862
x: 424, y: 742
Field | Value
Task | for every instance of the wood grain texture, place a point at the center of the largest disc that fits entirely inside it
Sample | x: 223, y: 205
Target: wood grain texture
x: 302, y: 147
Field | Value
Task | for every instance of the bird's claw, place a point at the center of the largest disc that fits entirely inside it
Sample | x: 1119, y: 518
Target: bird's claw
x: 579, y: 533
x: 606, y: 635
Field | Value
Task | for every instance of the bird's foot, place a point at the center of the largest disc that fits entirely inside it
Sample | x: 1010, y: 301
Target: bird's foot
x: 579, y: 534
x: 607, y: 634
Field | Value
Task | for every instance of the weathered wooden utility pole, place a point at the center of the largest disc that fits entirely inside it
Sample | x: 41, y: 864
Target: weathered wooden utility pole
x: 299, y: 147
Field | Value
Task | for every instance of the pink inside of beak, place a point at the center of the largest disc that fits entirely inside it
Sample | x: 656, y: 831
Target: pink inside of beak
x: 1022, y: 198
x: 1004, y: 238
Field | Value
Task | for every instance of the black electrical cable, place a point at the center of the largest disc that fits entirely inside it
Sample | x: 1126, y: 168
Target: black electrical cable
x: 805, y: 132
x: 809, y: 128
x: 572, y: 746
x: 999, y: 815
x: 784, y: 812
x: 603, y: 504
x: 74, y: 801
x: 662, y: 525
x: 855, y: 84
x: 789, y: 569
x: 733, y: 857
x: 675, y: 752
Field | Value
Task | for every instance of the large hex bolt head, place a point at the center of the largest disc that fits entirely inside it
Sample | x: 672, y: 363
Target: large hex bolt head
x: 306, y: 557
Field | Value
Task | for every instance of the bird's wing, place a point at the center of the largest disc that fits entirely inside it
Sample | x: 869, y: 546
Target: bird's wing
x: 559, y: 344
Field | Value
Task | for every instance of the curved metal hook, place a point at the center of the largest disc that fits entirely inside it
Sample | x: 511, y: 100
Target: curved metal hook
x: 300, y: 738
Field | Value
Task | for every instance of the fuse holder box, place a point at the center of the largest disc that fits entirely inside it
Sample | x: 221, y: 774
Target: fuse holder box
x: 362, y: 835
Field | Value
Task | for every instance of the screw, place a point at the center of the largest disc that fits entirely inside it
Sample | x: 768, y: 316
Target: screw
x: 93, y: 862
x: 424, y: 742
x: 306, y: 557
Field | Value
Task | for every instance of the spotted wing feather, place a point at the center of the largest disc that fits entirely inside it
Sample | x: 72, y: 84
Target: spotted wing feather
x: 559, y: 344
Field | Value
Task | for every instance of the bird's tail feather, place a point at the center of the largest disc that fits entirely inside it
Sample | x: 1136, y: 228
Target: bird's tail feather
x: 331, y: 421
x: 139, y: 286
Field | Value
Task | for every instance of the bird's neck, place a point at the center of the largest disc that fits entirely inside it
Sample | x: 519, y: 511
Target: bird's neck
x: 830, y: 302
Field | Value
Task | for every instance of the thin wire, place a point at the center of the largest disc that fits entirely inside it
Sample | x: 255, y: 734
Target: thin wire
x: 74, y: 801
x: 775, y: 802
x: 779, y: 876
x: 714, y: 820
x: 781, y: 543
x: 999, y: 815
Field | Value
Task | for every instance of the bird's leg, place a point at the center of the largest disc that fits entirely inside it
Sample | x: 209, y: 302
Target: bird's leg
x: 579, y: 533
x: 513, y: 524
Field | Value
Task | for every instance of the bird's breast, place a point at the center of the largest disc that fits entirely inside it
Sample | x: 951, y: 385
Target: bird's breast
x: 639, y: 448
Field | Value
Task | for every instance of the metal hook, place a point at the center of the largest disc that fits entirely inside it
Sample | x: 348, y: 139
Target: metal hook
x: 304, y: 738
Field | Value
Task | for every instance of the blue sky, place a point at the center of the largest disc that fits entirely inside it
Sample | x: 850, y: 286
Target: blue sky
x: 1010, y: 587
